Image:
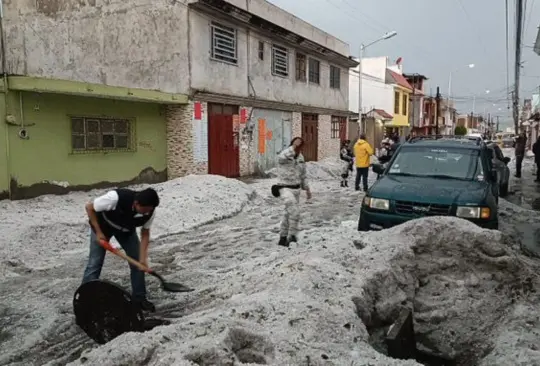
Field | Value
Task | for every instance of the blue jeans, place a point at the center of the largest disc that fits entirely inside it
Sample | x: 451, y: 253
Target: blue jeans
x: 131, y: 245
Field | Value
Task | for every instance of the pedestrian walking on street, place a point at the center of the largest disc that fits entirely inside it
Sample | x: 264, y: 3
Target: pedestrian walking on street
x: 346, y: 157
x: 117, y: 214
x: 536, y: 151
x: 519, y: 147
x: 362, y: 156
x: 291, y: 173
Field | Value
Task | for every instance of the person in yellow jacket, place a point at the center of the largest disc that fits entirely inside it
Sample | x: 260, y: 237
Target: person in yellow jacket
x: 362, y: 157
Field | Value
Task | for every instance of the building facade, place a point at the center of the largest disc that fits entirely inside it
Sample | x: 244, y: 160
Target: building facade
x: 402, y: 96
x: 471, y: 122
x: 417, y: 82
x: 377, y: 98
x: 161, y: 89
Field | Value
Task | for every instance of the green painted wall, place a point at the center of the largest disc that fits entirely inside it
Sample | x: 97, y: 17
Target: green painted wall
x: 4, y: 177
x: 47, y: 154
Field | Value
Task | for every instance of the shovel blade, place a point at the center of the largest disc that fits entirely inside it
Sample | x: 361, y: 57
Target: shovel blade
x: 175, y: 287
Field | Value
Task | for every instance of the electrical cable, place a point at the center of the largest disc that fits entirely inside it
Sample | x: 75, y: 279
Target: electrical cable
x: 474, y: 28
x: 507, y: 56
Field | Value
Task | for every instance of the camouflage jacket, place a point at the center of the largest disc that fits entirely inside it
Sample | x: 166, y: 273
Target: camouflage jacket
x: 291, y: 169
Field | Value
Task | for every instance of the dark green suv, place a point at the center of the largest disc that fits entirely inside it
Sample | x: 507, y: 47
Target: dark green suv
x: 433, y: 176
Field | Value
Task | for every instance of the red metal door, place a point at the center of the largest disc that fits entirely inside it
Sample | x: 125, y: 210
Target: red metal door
x: 224, y: 153
x: 310, y: 134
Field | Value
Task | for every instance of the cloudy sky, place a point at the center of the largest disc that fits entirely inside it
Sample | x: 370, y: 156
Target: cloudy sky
x: 436, y: 37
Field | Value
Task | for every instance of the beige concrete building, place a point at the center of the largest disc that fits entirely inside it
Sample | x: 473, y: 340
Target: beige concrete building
x: 255, y: 75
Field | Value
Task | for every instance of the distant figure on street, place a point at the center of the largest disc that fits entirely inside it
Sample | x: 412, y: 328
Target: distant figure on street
x: 536, y: 151
x: 291, y: 172
x: 346, y: 156
x: 519, y: 146
x: 362, y: 155
x: 391, y: 151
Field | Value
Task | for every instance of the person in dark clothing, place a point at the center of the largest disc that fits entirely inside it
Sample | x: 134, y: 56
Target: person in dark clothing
x: 519, y: 146
x: 117, y: 214
x: 391, y: 151
x: 346, y: 156
x: 536, y: 151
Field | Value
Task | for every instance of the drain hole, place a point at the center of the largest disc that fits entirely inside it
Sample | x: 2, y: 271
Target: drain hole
x: 400, y: 341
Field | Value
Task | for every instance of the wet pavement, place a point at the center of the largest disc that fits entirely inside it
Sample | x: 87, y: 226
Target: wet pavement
x: 525, y: 192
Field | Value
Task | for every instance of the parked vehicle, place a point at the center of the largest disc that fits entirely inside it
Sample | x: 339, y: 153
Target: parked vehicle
x: 500, y: 164
x: 434, y: 176
x: 505, y: 139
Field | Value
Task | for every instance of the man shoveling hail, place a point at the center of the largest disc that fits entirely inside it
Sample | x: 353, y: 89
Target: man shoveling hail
x: 117, y: 214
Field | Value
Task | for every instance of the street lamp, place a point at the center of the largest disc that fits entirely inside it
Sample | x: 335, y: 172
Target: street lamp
x: 470, y: 66
x: 386, y: 36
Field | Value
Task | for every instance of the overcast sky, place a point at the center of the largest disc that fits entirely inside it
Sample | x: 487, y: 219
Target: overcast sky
x: 434, y: 38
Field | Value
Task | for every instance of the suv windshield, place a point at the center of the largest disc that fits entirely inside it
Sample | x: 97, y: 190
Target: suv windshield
x: 453, y: 163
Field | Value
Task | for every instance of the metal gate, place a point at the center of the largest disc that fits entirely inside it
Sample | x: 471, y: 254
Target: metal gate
x: 224, y: 153
x: 273, y: 131
x: 310, y: 134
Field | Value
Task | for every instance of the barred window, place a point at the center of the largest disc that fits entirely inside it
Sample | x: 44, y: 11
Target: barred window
x: 314, y: 71
x: 396, y: 102
x: 90, y: 134
x: 261, y: 50
x: 280, y: 61
x: 335, y: 77
x: 301, y: 67
x: 224, y: 43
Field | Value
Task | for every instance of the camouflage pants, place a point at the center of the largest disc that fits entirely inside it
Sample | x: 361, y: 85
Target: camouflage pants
x: 291, y: 216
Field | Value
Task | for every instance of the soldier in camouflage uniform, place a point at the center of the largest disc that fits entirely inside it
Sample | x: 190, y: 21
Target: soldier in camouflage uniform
x: 291, y: 172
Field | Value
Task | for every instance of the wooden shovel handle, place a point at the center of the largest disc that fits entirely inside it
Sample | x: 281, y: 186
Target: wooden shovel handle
x: 110, y: 248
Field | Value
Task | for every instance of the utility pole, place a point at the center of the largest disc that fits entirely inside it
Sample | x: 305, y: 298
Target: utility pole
x: 519, y: 26
x: 489, y: 126
x: 361, y: 127
x: 413, y: 118
x: 497, y: 130
x: 437, y: 110
x: 472, y: 120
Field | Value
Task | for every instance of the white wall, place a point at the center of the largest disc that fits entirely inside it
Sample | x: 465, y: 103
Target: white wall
x: 278, y: 16
x: 118, y: 43
x: 158, y: 45
x: 223, y: 78
x: 375, y: 94
x: 375, y: 66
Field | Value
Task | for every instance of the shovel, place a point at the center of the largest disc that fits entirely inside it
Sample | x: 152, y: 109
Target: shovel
x: 166, y: 286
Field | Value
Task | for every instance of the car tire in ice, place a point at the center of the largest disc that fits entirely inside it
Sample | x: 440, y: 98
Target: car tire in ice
x: 362, y: 225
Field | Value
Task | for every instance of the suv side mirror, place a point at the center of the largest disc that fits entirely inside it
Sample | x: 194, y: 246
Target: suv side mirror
x: 378, y: 168
x: 506, y: 160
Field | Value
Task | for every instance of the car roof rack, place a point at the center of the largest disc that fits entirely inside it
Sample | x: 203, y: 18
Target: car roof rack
x: 478, y: 140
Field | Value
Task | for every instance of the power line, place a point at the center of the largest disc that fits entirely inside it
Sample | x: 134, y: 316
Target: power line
x: 507, y: 56
x: 519, y: 33
x: 380, y: 26
x: 528, y: 20
x: 474, y: 28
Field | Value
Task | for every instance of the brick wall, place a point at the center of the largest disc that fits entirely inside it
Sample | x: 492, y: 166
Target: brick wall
x: 327, y: 146
x: 248, y: 147
x: 296, y: 124
x: 180, y: 161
